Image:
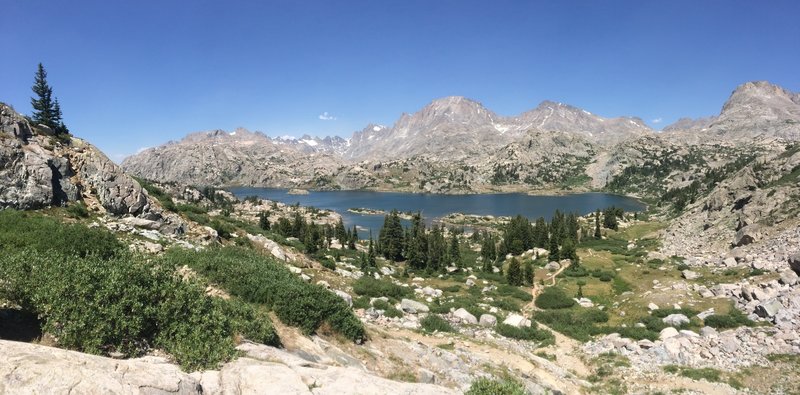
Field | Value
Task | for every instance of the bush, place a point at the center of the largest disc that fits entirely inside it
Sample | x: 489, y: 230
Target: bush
x: 369, y: 286
x: 120, y: 304
x: 29, y: 230
x: 733, y: 319
x: 258, y: 279
x: 579, y: 325
x: 554, y: 298
x: 531, y: 333
x: 433, y: 323
x: 77, y: 210
x: 484, y: 386
x: 388, y: 310
x: 506, y: 304
x: 514, y: 292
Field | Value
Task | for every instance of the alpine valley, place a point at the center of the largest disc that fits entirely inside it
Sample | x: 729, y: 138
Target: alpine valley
x: 152, y: 277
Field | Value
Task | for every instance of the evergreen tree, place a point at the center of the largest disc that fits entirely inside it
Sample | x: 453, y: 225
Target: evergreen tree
x: 298, y: 226
x: 312, y: 239
x: 572, y: 227
x: 488, y: 248
x: 568, y: 252
x: 514, y: 273
x: 328, y: 231
x: 46, y: 109
x: 541, y: 238
x: 353, y: 238
x: 597, y: 234
x: 263, y: 220
x: 436, y: 249
x: 527, y: 273
x: 610, y: 218
x: 341, y: 232
x: 554, y: 253
x: 455, y: 251
x: 58, y: 122
x: 416, y: 247
x: 391, y: 237
x: 43, y: 107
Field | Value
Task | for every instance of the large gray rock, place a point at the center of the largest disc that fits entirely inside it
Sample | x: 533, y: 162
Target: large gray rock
x: 413, y: 307
x: 668, y: 332
x: 345, y: 296
x: 747, y: 235
x: 517, y: 321
x: 675, y: 320
x: 33, y: 369
x: 465, y: 316
x: 36, y: 172
x: 769, y: 308
x: 488, y: 320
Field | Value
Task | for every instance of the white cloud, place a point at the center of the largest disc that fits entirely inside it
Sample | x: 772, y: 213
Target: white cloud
x: 325, y: 116
x: 140, y: 150
x: 657, y: 120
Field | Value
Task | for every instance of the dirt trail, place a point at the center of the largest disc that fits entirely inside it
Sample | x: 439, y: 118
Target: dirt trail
x: 537, y: 288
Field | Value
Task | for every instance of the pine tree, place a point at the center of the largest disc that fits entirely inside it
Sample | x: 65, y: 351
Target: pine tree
x: 263, y: 220
x: 341, y: 232
x: 597, y: 234
x: 371, y: 256
x: 353, y: 238
x: 568, y: 252
x: 42, y: 104
x: 46, y: 110
x: 58, y: 121
x: 391, y: 237
x: 455, y: 251
x: 527, y: 273
x: 514, y: 273
x: 572, y: 227
x: 554, y: 253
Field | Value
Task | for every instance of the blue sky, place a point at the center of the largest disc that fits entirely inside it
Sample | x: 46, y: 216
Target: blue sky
x: 133, y: 74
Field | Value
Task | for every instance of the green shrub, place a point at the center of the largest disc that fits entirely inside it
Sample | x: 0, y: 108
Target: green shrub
x: 361, y: 302
x: 733, y: 319
x: 432, y: 323
x: 578, y: 324
x: 258, y: 279
x: 484, y: 386
x: 388, y: 310
x: 119, y: 304
x: 554, y: 298
x: 531, y: 333
x: 514, y: 292
x: 77, y: 210
x: 452, y: 288
x: 30, y: 230
x: 369, y: 286
x: 506, y: 304
x: 328, y: 264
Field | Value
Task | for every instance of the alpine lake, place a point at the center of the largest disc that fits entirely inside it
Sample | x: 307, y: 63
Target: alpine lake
x: 435, y: 206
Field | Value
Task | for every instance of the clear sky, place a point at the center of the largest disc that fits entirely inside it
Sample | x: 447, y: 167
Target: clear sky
x: 133, y: 74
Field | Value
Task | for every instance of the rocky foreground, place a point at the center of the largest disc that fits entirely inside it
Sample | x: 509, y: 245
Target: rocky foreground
x: 33, y: 369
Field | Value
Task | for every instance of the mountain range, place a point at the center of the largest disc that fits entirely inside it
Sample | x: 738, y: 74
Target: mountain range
x: 456, y: 145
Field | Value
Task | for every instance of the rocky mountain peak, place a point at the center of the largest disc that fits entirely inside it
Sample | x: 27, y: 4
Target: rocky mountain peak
x: 761, y: 96
x: 452, y: 109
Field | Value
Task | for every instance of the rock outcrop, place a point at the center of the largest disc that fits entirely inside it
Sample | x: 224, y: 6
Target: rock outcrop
x: 37, y: 171
x: 33, y: 369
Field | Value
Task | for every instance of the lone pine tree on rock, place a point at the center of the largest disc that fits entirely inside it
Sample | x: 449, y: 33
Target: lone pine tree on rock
x: 46, y: 109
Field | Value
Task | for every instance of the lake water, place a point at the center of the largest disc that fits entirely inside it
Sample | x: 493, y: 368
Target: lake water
x: 434, y: 206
